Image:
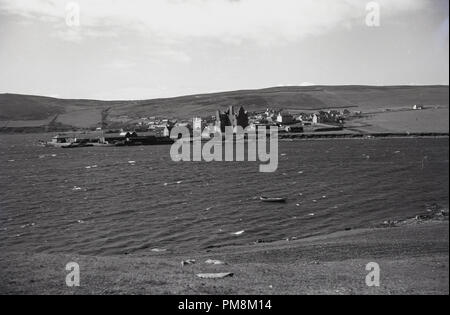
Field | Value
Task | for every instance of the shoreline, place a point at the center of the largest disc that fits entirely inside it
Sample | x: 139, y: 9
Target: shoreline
x: 413, y: 259
x: 299, y: 136
x: 362, y: 136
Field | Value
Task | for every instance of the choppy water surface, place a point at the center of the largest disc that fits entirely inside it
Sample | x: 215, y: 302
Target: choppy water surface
x: 95, y: 201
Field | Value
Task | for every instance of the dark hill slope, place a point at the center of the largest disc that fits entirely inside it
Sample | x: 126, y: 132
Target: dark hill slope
x: 14, y: 107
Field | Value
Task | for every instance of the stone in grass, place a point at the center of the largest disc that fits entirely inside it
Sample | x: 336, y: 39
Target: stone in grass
x: 214, y: 262
x: 220, y: 275
x: 187, y: 262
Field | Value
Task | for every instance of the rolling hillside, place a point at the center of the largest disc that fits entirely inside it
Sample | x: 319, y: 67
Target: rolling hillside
x: 26, y: 110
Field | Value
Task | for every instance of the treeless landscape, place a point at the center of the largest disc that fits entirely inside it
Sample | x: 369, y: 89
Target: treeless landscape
x: 25, y: 110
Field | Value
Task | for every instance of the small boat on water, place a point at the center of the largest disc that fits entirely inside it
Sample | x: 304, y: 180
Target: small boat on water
x: 272, y: 199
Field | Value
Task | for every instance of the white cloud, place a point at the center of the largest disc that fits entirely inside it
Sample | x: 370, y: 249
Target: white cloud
x: 119, y: 64
x: 232, y: 21
x: 167, y: 54
x: 70, y: 34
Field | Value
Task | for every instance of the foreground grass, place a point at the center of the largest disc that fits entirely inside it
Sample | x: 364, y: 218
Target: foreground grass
x: 413, y: 260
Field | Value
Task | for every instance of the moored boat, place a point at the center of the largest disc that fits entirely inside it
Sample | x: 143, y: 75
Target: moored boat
x: 272, y: 199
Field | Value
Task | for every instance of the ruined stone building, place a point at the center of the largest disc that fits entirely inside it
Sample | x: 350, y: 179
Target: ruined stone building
x: 232, y: 118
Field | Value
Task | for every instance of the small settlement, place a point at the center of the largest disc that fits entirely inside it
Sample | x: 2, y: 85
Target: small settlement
x: 156, y: 130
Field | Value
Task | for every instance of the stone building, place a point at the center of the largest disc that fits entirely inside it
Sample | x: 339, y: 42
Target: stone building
x: 231, y: 118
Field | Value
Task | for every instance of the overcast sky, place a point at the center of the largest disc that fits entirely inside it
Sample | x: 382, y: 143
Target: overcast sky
x: 146, y: 49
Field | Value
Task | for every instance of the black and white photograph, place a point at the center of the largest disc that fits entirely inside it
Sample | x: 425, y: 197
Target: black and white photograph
x: 224, y: 153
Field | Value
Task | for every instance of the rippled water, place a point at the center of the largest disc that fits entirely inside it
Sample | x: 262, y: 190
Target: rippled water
x: 52, y: 201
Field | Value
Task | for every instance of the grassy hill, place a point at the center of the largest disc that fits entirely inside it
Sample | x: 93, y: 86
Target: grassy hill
x: 23, y: 110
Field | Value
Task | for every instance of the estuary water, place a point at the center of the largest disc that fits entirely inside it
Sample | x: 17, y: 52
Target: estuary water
x: 118, y: 200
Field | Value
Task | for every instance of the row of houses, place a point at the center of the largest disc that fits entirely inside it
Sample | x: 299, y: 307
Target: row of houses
x: 282, y: 117
x: 284, y: 120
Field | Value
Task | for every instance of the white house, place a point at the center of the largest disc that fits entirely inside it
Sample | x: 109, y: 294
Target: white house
x: 197, y: 124
x: 316, y: 119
